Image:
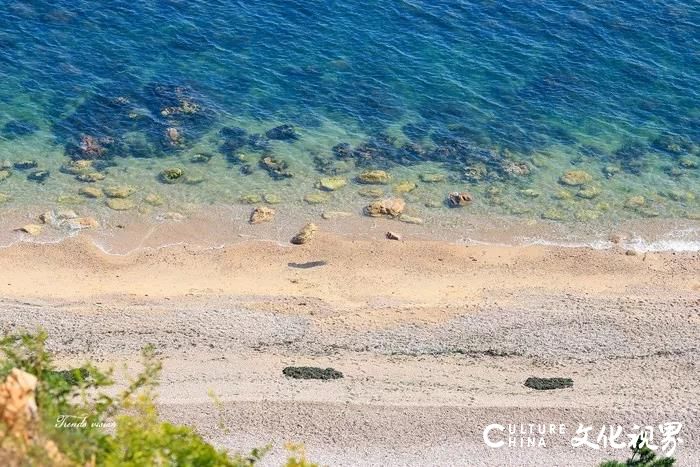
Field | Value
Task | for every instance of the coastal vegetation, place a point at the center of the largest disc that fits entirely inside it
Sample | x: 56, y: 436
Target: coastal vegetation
x: 75, y: 417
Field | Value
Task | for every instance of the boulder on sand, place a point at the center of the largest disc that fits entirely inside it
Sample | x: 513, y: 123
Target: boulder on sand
x: 261, y: 214
x: 391, y: 207
x: 305, y: 234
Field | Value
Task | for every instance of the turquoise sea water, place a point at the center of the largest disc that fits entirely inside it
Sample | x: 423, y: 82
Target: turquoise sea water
x: 498, y: 98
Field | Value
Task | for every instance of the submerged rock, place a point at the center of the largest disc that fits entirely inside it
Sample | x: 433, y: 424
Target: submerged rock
x: 4, y: 198
x: 688, y: 163
x: 77, y: 167
x: 374, y: 177
x: 91, y: 177
x: 635, y: 202
x: 122, y: 191
x: 316, y: 198
x: 404, y: 186
x: 553, y: 214
x: 283, y: 132
x: 69, y: 199
x: 271, y: 198
x: 371, y: 192
x: 193, y: 179
x: 432, y: 178
x: 153, y: 199
x: 305, y: 234
x: 18, y: 128
x: 391, y: 207
x: 277, y: 168
x: 458, y: 199
x: 476, y: 172
x: 611, y: 170
x: 90, y: 148
x: 575, y: 178
x: 310, y: 372
x: 249, y: 198
x: 91, y: 192
x: 563, y: 195
x: 258, y: 142
x: 516, y: 168
x: 261, y: 214
x: 5, y: 174
x: 175, y: 137
x: 530, y: 193
x: 171, y: 175
x: 332, y: 183
x: 586, y: 215
x: 26, y: 165
x: 38, y: 176
x: 201, y: 158
x: 679, y: 195
x: 588, y: 192
x: 120, y: 204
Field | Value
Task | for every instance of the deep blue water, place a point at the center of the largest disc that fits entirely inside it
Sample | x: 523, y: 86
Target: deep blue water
x: 617, y: 82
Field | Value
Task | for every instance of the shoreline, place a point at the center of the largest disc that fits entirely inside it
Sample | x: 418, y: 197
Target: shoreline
x: 435, y: 340
x: 220, y: 226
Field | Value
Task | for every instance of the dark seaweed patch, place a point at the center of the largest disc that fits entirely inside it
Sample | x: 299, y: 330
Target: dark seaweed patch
x: 18, y: 128
x: 544, y: 384
x: 311, y: 372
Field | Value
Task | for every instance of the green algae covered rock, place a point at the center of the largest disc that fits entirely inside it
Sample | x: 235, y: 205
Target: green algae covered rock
x: 121, y: 191
x: 374, y: 177
x: 635, y: 202
x: 432, y: 177
x: 91, y: 192
x: 153, y: 199
x: 371, y: 192
x: 316, y: 198
x: 404, y: 186
x: 575, y: 178
x: 588, y: 192
x: 171, y: 175
x: 332, y: 183
x: 120, y: 204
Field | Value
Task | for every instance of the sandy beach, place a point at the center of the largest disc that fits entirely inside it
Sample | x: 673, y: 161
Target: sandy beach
x: 435, y: 340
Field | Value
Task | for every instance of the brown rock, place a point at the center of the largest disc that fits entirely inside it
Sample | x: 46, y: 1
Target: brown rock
x: 458, y: 199
x: 18, y: 409
x: 261, y: 214
x: 393, y: 236
x: 80, y: 223
x: 392, y: 207
x: 31, y: 229
x: 305, y: 234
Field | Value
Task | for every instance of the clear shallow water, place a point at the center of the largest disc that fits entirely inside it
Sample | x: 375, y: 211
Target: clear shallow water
x: 501, y: 98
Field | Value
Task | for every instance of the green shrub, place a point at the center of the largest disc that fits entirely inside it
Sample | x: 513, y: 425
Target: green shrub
x: 138, y: 439
x: 642, y: 456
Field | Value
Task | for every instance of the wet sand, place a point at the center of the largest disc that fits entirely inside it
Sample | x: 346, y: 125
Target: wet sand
x: 435, y: 340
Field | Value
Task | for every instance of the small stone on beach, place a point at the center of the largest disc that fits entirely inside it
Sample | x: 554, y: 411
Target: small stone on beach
x: 261, y: 214
x: 31, y: 229
x: 305, y: 234
x: 392, y: 236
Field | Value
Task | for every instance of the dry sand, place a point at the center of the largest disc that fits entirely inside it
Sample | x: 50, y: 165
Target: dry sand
x: 435, y: 340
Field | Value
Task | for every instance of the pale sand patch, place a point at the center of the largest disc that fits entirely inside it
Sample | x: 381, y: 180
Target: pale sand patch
x: 435, y: 340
